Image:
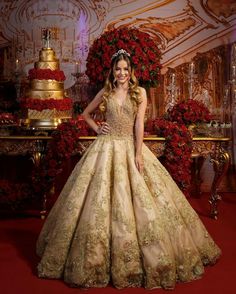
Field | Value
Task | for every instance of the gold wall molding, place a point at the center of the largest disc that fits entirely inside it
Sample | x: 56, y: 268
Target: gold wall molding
x: 181, y: 28
x: 219, y: 10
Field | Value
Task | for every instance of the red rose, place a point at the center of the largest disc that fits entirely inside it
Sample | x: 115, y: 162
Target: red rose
x: 143, y: 51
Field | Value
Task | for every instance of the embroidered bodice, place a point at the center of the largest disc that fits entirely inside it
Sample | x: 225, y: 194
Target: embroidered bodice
x: 120, y: 117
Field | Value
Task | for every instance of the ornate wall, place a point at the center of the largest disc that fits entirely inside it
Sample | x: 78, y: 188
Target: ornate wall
x: 196, y: 33
x: 181, y: 27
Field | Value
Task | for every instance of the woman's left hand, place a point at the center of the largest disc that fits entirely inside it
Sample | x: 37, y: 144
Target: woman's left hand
x: 139, y: 163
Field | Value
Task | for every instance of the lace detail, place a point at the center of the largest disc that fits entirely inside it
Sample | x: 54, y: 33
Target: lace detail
x: 120, y: 118
x: 110, y: 223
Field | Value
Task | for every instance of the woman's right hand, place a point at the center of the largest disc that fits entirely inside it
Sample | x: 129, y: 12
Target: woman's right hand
x: 103, y: 129
x: 139, y: 163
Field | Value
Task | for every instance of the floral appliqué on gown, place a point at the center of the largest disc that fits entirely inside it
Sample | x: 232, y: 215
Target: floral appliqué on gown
x: 111, y: 224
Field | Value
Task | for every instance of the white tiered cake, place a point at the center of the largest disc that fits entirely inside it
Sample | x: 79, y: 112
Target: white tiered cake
x: 45, y: 104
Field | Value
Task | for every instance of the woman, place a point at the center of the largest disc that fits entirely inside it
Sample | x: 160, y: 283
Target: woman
x: 120, y: 217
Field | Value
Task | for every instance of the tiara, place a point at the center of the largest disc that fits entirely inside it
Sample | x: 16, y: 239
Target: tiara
x: 119, y: 52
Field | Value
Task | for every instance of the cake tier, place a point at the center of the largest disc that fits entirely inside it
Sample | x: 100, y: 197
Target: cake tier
x: 40, y: 94
x: 49, y: 114
x: 46, y: 85
x: 53, y: 65
x: 47, y: 54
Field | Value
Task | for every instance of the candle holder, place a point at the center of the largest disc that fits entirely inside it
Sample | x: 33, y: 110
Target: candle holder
x: 17, y: 81
x: 191, y: 77
x: 81, y: 82
x: 172, y: 90
x: 46, y: 37
x: 232, y: 84
x: 77, y: 75
x: 233, y: 72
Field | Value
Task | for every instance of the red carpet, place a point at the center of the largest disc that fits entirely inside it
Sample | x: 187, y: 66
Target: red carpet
x: 18, y: 260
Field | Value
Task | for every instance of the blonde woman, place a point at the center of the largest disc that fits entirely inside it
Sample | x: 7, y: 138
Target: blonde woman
x: 120, y: 218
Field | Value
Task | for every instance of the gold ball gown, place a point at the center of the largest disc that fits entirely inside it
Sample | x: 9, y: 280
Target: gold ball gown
x: 110, y: 224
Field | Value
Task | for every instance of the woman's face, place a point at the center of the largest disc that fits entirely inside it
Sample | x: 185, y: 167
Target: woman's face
x: 121, y: 72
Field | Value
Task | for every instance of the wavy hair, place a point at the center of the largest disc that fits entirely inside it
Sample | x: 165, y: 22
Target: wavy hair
x: 110, y: 83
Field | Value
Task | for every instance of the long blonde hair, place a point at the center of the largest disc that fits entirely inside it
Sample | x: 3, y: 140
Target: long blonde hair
x: 110, y: 83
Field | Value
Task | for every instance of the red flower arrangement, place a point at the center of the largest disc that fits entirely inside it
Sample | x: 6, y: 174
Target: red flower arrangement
x: 177, y: 153
x: 7, y: 118
x: 63, y: 145
x: 39, y: 104
x: 189, y: 112
x: 46, y: 74
x: 144, y: 52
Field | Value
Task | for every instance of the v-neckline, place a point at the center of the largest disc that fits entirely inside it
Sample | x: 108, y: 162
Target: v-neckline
x: 123, y: 103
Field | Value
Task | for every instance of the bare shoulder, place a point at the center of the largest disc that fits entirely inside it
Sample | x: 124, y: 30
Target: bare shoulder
x: 101, y: 92
x: 142, y: 90
x: 143, y: 93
